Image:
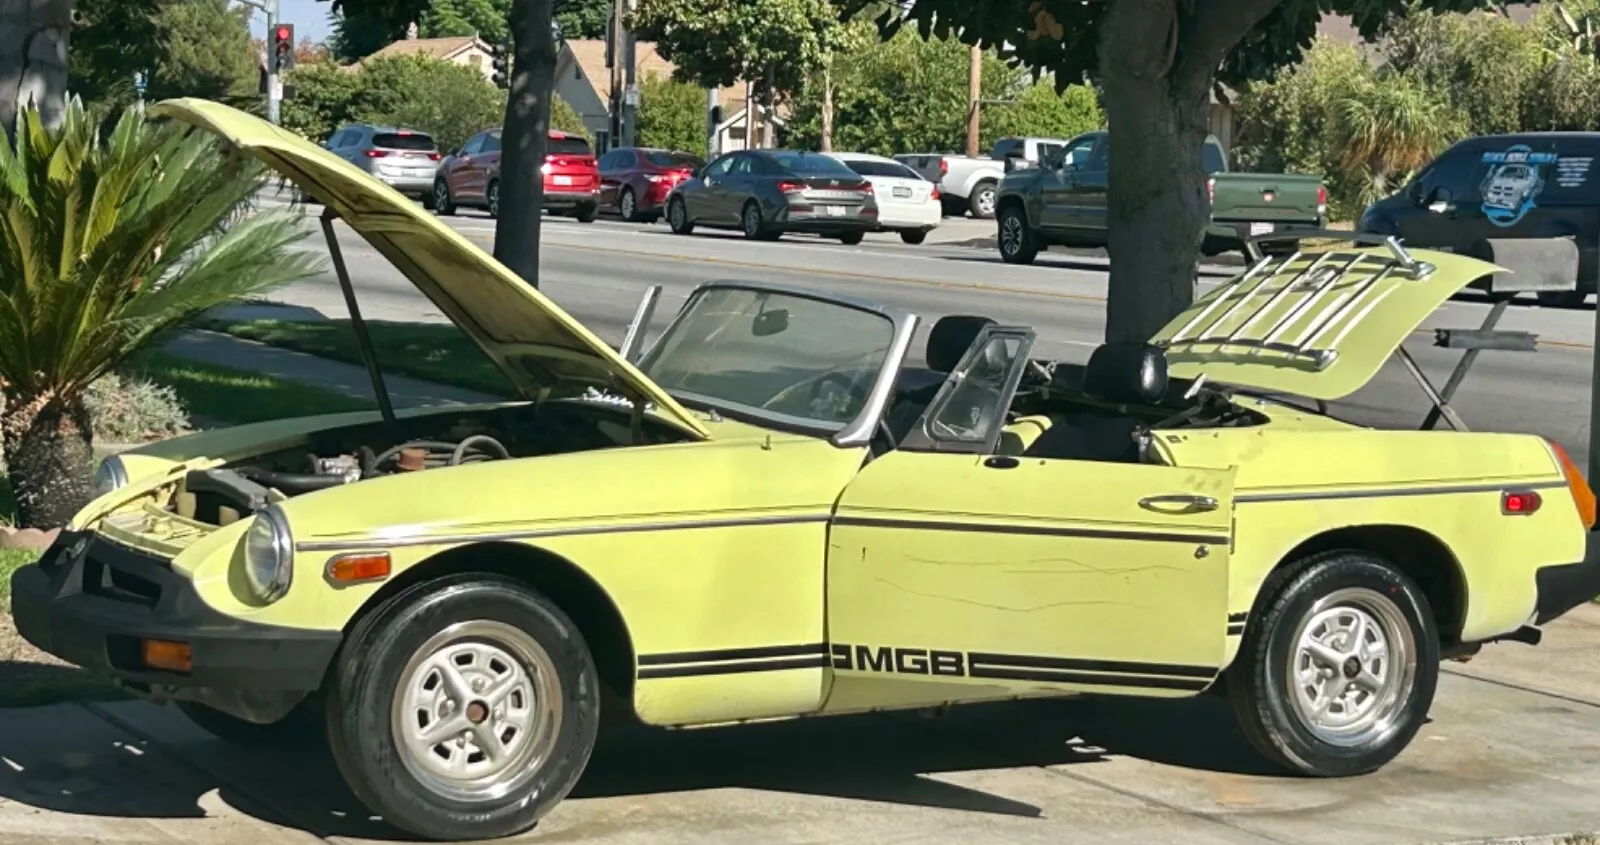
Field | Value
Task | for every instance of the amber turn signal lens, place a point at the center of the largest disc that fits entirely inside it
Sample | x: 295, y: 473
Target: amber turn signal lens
x: 1582, y: 494
x: 167, y: 656
x: 347, y: 569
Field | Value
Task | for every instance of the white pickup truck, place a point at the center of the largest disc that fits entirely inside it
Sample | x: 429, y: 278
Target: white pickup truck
x: 967, y: 184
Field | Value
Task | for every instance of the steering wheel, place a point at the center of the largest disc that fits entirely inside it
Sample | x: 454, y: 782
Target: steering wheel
x: 857, y: 395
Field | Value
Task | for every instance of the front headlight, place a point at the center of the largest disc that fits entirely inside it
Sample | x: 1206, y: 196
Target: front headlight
x: 269, y: 555
x: 110, y: 476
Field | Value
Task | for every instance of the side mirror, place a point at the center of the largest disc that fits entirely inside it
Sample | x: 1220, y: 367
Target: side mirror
x: 769, y: 323
x: 1439, y: 200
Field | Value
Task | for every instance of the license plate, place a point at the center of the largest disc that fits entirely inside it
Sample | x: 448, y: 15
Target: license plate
x: 833, y: 210
x: 417, y: 171
x: 1261, y: 228
x: 904, y: 193
x: 562, y: 180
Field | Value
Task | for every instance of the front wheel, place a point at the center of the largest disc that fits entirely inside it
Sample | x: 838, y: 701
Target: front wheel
x: 1336, y: 676
x: 678, y: 217
x: 851, y: 238
x: 1017, y: 243
x: 492, y: 199
x: 443, y: 203
x: 628, y: 206
x: 587, y: 212
x: 464, y: 708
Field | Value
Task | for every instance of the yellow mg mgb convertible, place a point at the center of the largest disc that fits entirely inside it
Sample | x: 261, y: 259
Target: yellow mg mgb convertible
x: 769, y: 512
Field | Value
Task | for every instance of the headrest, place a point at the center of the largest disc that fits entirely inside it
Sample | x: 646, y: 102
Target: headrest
x: 951, y: 337
x: 1126, y: 373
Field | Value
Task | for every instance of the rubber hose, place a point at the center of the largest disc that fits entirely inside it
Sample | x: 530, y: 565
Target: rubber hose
x: 461, y: 448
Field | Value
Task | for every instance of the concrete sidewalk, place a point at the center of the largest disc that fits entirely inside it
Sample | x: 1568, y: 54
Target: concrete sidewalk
x: 1512, y: 753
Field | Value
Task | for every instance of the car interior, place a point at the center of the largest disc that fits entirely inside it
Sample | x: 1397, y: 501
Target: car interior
x: 1098, y: 411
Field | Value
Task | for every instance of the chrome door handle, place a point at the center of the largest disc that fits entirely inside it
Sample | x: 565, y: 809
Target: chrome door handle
x: 1189, y: 503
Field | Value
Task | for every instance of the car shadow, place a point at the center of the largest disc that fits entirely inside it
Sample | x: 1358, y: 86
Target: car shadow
x: 884, y: 758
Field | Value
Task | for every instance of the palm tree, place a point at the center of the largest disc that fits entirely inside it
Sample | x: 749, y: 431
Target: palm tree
x: 105, y: 243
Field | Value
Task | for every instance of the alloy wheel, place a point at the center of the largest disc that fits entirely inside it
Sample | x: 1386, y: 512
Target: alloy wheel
x: 986, y: 202
x: 1352, y: 668
x: 1011, y: 234
x: 629, y: 208
x: 494, y: 200
x: 752, y: 220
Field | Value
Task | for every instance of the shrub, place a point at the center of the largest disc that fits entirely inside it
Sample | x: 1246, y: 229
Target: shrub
x: 672, y: 115
x: 133, y: 410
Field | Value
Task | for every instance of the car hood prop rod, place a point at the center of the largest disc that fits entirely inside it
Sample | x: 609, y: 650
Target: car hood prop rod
x: 363, y: 340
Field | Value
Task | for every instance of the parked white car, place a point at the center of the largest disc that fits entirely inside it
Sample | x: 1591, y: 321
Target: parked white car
x: 907, y: 203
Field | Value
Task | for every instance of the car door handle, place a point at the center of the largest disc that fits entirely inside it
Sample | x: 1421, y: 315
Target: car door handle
x: 1001, y: 462
x: 1184, y: 502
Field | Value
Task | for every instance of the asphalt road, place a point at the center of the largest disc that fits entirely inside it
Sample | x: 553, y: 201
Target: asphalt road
x: 598, y: 272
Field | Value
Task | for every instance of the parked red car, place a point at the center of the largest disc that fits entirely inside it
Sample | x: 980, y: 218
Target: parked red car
x: 470, y: 176
x: 635, y: 181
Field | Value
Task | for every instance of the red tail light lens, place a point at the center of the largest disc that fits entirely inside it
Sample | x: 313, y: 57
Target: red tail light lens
x: 377, y: 153
x: 791, y: 187
x: 866, y: 188
x: 944, y: 167
x: 935, y: 194
x: 1322, y: 200
x: 435, y: 156
x: 1211, y: 190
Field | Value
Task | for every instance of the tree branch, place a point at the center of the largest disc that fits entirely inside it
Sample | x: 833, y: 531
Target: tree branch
x: 1210, y: 32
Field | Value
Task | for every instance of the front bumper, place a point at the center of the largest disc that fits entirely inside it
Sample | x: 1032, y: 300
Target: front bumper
x: 92, y: 602
x: 1562, y: 588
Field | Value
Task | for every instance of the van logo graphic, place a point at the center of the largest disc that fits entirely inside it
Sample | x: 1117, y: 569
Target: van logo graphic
x: 1511, y: 187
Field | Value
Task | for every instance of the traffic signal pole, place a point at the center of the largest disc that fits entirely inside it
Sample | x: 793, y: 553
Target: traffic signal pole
x: 274, y: 85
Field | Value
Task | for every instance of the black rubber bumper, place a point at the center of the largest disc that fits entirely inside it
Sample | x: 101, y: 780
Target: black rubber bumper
x: 91, y: 602
x: 1561, y: 588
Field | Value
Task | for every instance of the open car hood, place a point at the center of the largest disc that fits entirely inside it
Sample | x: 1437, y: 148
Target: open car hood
x: 1319, y: 326
x: 535, y: 343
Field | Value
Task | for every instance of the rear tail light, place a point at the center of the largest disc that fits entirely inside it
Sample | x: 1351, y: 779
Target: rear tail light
x: 1211, y: 191
x: 791, y: 187
x: 1322, y: 200
x: 944, y: 167
x: 866, y: 188
x: 377, y: 153
x: 435, y: 156
x: 1582, y: 494
x: 935, y: 194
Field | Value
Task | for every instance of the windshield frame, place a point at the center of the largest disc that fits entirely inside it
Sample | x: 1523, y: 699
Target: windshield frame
x: 860, y: 430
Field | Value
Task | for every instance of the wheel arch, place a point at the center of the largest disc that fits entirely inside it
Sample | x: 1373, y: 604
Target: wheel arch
x: 1422, y: 556
x: 572, y: 589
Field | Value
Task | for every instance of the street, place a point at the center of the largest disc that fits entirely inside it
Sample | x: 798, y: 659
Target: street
x: 598, y: 272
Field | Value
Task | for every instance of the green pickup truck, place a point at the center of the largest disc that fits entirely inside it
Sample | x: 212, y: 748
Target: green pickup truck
x: 1063, y: 203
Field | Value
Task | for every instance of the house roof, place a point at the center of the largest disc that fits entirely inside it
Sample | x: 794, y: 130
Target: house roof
x: 590, y: 54
x: 433, y: 48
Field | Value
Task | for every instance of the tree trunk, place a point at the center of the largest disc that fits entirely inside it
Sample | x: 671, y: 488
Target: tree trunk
x: 49, y: 456
x: 1157, y: 209
x: 827, y: 107
x: 524, y: 139
x: 33, y: 58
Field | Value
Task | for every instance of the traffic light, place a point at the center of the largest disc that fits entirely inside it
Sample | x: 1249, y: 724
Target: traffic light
x: 283, y: 47
x: 502, y: 66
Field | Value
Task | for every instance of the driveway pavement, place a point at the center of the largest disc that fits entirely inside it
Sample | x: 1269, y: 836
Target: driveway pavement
x: 1513, y: 750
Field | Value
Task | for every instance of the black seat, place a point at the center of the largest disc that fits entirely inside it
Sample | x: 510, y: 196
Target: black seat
x: 1120, y: 373
x: 948, y: 340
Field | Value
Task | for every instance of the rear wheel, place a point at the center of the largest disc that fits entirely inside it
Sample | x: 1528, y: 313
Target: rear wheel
x: 851, y: 238
x: 464, y: 708
x: 442, y: 202
x: 914, y: 237
x: 587, y: 212
x: 1337, y: 675
x: 678, y: 217
x: 981, y: 202
x: 1017, y: 243
x: 752, y: 223
x: 492, y: 199
x: 628, y: 206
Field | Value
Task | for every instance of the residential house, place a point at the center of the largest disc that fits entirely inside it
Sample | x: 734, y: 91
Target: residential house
x: 466, y: 50
x: 585, y: 83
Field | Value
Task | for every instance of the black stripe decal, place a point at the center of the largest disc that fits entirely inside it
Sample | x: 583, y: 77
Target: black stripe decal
x: 1031, y: 530
x: 1237, y: 617
x: 1315, y: 495
x: 1235, y: 630
x: 814, y: 661
x: 1067, y: 664
x: 726, y: 655
x: 1062, y: 677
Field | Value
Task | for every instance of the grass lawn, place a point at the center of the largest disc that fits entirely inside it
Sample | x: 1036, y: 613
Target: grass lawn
x: 236, y: 396
x: 439, y: 353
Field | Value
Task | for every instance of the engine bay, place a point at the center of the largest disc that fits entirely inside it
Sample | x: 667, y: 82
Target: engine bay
x: 350, y: 455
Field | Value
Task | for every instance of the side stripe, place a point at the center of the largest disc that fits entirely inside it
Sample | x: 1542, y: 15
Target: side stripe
x: 732, y: 661
x: 1031, y: 530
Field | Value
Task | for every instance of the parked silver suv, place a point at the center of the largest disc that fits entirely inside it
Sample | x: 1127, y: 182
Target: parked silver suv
x: 404, y: 159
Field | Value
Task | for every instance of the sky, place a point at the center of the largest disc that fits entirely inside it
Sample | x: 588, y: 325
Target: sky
x: 310, y: 19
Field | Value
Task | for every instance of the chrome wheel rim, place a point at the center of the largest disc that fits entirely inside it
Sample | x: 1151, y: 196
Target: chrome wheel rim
x: 675, y: 213
x: 1011, y: 235
x: 627, y: 204
x: 494, y: 200
x: 986, y: 201
x: 477, y: 711
x: 441, y: 195
x: 752, y: 220
x: 1353, y: 668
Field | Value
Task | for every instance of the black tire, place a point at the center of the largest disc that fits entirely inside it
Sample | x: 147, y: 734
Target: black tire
x: 1562, y: 298
x: 587, y: 212
x: 851, y: 238
x: 753, y: 223
x: 491, y: 199
x: 914, y: 237
x: 1318, y: 591
x: 503, y: 627
x: 678, y: 217
x: 982, y: 199
x: 1015, y: 237
x: 299, y: 727
x: 628, y: 206
x: 443, y: 203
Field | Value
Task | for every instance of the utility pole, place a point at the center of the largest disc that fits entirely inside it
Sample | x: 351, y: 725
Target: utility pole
x: 630, y: 91
x: 974, y: 94
x: 713, y: 120
x: 274, y: 84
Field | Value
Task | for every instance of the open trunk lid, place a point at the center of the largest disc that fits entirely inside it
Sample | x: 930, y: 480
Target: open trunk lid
x: 1318, y: 326
x: 532, y: 340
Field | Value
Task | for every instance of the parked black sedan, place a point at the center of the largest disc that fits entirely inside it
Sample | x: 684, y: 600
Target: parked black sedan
x: 766, y: 193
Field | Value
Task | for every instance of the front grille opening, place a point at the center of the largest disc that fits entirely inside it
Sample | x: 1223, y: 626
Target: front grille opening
x: 105, y: 581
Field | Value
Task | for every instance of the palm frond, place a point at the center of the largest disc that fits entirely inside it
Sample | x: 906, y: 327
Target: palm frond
x: 105, y: 243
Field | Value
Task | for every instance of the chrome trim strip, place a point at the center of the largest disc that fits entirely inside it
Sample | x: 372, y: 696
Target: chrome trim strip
x: 1381, y: 493
x: 1152, y: 536
x: 859, y: 431
x: 365, y: 543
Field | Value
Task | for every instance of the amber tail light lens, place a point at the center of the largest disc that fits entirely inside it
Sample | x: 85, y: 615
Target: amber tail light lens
x: 1582, y: 494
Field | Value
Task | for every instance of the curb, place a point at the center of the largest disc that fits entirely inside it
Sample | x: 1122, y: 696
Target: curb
x: 1546, y: 839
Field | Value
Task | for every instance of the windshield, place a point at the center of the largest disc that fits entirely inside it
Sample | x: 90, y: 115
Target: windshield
x: 783, y: 358
x: 681, y: 161
x: 883, y: 168
x: 811, y: 164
